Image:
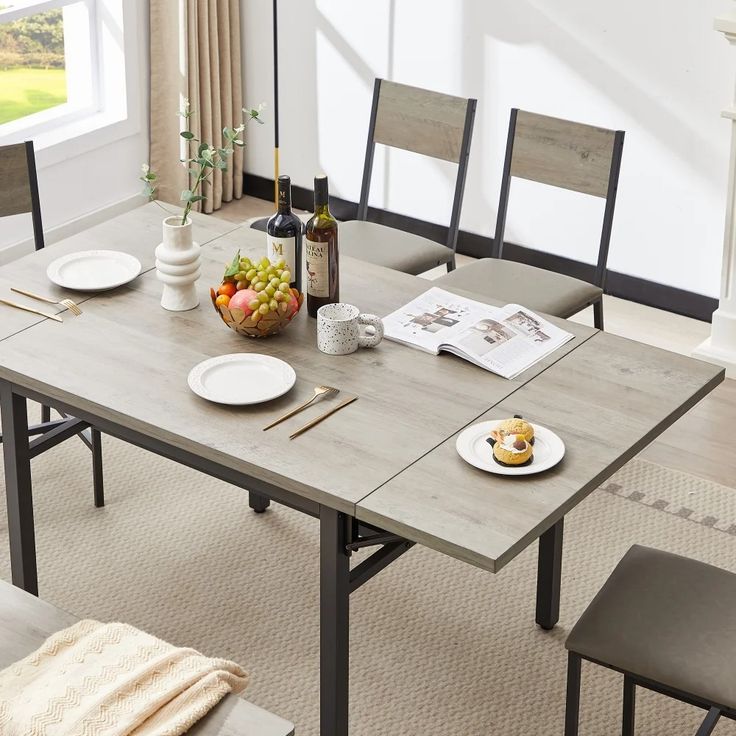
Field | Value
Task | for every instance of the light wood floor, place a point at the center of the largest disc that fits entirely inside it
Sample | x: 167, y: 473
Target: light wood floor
x: 703, y: 442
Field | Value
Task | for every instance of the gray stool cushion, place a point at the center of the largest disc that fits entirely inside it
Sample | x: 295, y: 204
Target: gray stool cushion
x: 517, y: 283
x: 665, y: 618
x: 386, y: 246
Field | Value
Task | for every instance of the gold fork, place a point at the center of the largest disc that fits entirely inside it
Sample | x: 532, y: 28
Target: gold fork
x: 318, y: 391
x: 73, y: 307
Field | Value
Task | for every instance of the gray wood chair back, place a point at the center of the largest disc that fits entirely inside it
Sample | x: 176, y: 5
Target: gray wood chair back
x: 19, y: 186
x: 561, y: 153
x: 422, y: 121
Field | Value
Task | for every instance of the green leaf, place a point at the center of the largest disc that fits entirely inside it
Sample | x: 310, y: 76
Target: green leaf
x: 187, y: 134
x: 186, y: 195
x: 234, y: 266
x: 202, y: 147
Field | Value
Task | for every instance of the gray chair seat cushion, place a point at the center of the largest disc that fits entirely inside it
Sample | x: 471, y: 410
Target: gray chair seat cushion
x: 535, y: 288
x: 386, y: 246
x: 665, y: 618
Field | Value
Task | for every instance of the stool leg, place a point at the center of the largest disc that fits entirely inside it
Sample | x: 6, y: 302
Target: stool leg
x: 572, y: 704
x: 258, y: 503
x: 710, y: 722
x: 627, y: 727
x: 45, y: 413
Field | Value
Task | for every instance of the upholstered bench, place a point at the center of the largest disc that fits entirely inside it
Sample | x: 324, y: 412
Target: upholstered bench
x: 26, y: 622
x: 667, y: 623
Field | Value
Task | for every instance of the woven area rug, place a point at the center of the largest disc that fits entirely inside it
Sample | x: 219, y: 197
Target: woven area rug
x: 438, y: 647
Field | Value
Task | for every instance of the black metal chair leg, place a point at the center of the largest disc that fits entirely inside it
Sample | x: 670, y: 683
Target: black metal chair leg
x: 98, y: 480
x: 627, y: 727
x: 598, y: 314
x: 258, y: 503
x: 572, y: 704
x: 710, y: 722
x: 45, y: 414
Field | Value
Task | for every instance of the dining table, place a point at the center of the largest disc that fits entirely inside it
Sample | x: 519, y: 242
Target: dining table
x: 382, y: 473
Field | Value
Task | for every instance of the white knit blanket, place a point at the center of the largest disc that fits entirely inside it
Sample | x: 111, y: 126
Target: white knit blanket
x: 96, y: 679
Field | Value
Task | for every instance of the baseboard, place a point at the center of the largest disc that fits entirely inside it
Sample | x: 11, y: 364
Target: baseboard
x: 624, y: 286
x: 71, y: 227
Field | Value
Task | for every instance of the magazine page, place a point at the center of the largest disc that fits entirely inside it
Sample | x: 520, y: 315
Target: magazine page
x: 434, y: 318
x: 508, y: 344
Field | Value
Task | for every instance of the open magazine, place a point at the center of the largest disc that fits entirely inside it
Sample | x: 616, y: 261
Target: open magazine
x: 505, y: 340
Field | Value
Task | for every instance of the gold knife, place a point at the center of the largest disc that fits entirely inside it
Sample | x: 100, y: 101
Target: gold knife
x: 311, y: 424
x: 31, y: 310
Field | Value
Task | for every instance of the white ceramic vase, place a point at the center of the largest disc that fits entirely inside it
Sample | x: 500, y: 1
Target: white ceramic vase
x: 177, y: 266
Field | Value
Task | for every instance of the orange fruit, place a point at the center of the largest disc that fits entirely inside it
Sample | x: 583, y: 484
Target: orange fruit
x: 227, y: 288
x: 222, y: 301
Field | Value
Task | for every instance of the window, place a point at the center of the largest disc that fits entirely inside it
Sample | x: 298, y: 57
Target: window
x: 95, y: 97
x: 47, y: 62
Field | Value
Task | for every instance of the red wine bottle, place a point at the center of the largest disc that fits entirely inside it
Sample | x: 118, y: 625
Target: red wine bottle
x: 322, y: 259
x: 284, y: 235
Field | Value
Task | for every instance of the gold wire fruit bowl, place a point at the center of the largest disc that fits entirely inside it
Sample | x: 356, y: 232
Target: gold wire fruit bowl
x: 264, y: 325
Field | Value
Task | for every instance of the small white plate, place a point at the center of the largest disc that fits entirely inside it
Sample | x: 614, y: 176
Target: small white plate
x: 473, y: 447
x: 93, y: 270
x: 240, y: 379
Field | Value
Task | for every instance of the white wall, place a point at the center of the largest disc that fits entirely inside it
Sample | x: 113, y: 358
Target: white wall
x: 655, y: 69
x: 95, y: 175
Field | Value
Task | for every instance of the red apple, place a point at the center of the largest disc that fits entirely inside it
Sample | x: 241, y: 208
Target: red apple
x: 241, y: 299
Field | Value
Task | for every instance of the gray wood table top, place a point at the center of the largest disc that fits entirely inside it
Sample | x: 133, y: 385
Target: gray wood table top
x: 607, y: 400
x: 137, y: 232
x: 127, y: 360
x: 26, y: 622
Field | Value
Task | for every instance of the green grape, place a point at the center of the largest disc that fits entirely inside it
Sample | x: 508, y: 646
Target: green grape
x: 240, y: 276
x: 263, y: 297
x: 279, y: 296
x: 274, y: 305
x: 286, y: 277
x: 284, y: 287
x: 279, y: 271
x: 259, y: 286
x: 261, y: 275
x: 281, y: 263
x: 251, y: 274
x: 264, y: 309
x: 253, y: 304
x: 265, y: 263
x: 270, y: 290
x: 275, y: 281
x: 255, y: 316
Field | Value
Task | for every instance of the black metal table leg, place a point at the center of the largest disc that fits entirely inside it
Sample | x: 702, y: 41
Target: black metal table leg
x: 572, y: 702
x: 334, y: 622
x: 549, y: 575
x: 629, y: 707
x: 98, y: 479
x: 18, y: 489
x: 258, y: 503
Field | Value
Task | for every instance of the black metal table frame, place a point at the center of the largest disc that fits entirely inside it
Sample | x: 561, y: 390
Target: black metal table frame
x: 340, y: 535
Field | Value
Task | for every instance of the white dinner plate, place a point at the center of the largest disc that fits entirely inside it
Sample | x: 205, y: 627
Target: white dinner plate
x: 93, y: 270
x: 240, y: 379
x: 473, y: 447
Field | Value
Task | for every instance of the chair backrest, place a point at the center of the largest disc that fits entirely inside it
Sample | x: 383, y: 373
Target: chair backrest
x: 19, y: 186
x: 425, y: 122
x: 561, y: 153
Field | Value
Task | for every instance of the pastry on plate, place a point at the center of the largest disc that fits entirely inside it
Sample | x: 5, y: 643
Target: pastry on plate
x: 511, y: 449
x: 517, y: 425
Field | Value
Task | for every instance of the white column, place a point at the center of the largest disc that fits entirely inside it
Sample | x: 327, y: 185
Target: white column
x: 720, y: 347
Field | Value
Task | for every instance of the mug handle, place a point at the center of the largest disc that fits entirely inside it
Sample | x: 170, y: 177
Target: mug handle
x: 367, y: 340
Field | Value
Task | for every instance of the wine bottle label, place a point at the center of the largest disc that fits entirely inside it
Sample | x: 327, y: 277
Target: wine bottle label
x: 281, y: 248
x: 318, y: 272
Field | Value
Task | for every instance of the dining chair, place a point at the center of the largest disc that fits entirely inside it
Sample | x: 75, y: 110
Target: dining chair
x: 19, y: 195
x: 559, y: 153
x: 424, y: 122
x: 666, y: 623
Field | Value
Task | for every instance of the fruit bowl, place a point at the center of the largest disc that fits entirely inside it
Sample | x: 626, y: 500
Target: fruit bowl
x: 263, y: 304
x: 269, y: 324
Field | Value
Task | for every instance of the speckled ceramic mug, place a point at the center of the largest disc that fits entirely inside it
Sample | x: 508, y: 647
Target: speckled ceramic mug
x: 338, y: 329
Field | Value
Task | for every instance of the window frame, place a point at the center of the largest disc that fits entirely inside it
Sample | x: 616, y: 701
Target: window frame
x: 116, y: 112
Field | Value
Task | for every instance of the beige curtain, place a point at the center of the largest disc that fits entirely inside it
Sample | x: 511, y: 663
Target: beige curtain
x: 195, y: 54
